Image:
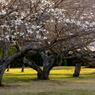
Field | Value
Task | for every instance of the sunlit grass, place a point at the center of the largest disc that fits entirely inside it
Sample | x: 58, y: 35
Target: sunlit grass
x: 61, y: 82
x: 57, y: 73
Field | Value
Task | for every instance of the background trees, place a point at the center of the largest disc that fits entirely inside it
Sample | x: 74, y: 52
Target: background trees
x: 62, y: 27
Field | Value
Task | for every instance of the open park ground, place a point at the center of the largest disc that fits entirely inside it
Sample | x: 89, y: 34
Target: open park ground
x: 61, y: 82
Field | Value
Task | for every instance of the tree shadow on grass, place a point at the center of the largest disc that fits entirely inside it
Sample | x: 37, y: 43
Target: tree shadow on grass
x: 10, y: 86
x: 89, y: 73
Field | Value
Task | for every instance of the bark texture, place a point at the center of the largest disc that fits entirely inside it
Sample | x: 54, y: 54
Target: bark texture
x: 0, y: 71
x: 1, y: 75
x: 2, y: 61
x: 34, y: 66
x: 8, y: 68
x: 5, y: 61
x: 77, y: 70
x: 22, y: 70
x: 48, y: 63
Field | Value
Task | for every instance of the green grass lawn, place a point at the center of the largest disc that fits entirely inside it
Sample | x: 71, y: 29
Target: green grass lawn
x: 61, y: 82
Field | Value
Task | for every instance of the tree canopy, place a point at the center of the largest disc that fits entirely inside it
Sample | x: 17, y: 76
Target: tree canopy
x: 64, y: 27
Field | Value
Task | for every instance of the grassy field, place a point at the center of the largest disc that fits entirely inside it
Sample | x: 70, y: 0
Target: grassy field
x: 61, y: 82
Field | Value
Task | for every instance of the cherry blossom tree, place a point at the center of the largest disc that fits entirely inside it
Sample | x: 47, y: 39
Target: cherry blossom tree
x: 59, y: 26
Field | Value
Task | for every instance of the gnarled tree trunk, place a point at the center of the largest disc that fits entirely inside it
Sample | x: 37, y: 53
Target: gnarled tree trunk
x: 5, y: 61
x: 34, y: 66
x: 48, y: 63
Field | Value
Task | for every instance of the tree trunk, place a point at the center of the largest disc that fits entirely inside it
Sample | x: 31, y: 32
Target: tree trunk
x: 40, y: 75
x: 8, y: 68
x: 23, y: 68
x: 2, y: 70
x: 48, y: 63
x: 34, y: 66
x: 1, y: 75
x: 46, y: 75
x: 48, y: 67
x: 43, y: 75
x: 18, y: 47
x: 77, y: 70
x: 2, y: 61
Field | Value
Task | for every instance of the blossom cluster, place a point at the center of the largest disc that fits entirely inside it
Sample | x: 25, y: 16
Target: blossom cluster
x: 31, y: 22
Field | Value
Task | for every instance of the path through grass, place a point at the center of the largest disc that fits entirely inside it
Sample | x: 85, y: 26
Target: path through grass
x: 61, y: 82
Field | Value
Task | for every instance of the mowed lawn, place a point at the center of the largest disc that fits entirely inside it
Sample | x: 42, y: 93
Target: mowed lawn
x: 61, y: 82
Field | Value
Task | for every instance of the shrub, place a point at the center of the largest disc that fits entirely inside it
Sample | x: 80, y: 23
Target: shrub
x: 59, y: 62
